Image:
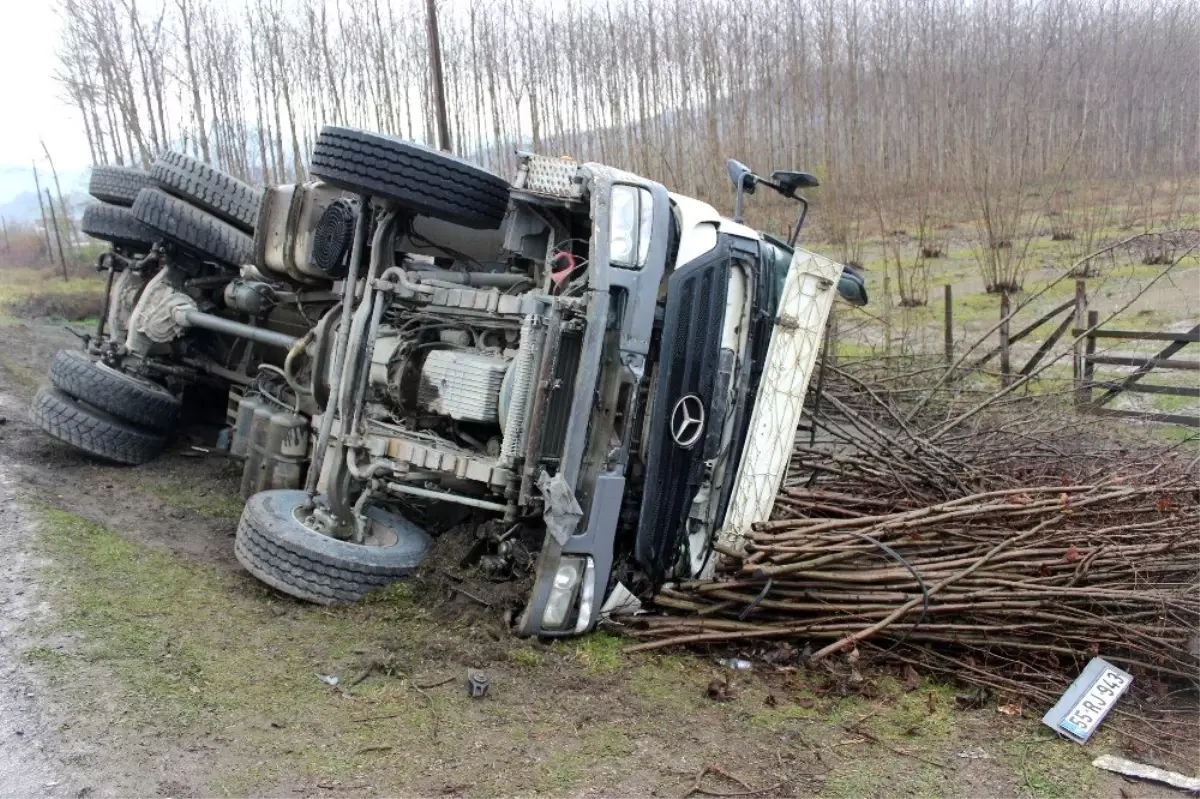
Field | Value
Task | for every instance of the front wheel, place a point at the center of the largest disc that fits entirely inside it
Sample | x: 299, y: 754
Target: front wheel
x: 276, y: 546
x: 429, y: 182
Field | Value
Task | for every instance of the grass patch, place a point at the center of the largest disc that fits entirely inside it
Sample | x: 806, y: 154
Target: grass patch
x: 51, y: 659
x: 885, y: 776
x: 1052, y: 767
x: 207, y: 502
x: 28, y: 379
x: 600, y: 653
x: 43, y: 293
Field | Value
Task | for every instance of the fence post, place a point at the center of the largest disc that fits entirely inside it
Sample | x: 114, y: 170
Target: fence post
x: 949, y: 332
x: 887, y: 316
x: 1080, y: 313
x: 831, y: 332
x: 1083, y: 387
x: 1005, y: 364
x: 62, y: 259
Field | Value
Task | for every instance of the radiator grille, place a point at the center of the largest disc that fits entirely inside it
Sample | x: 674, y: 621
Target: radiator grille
x: 558, y: 405
x: 690, y: 361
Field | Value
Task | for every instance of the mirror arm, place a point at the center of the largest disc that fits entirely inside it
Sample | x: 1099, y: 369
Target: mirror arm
x: 737, y: 201
x: 799, y: 222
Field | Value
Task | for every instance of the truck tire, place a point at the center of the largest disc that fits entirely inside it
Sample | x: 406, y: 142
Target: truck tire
x: 117, y: 185
x: 281, y: 551
x: 217, y: 192
x: 92, y: 430
x: 124, y: 396
x: 117, y: 225
x: 429, y: 182
x: 193, y: 228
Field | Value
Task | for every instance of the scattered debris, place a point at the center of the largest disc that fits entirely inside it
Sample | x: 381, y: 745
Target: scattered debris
x: 328, y: 679
x: 478, y: 683
x: 736, y: 664
x: 621, y: 602
x: 369, y: 749
x: 720, y: 689
x: 698, y: 788
x: 1009, y: 709
x: 1141, y: 771
x: 562, y: 512
x: 858, y: 730
x: 781, y: 655
x: 384, y: 717
x: 975, y: 700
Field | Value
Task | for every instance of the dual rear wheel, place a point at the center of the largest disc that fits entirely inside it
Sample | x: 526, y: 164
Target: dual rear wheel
x: 103, y: 411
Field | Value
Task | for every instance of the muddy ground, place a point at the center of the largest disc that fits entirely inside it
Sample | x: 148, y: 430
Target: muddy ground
x: 136, y: 658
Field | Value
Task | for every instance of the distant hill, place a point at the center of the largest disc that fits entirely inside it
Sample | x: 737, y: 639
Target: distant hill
x: 18, y: 198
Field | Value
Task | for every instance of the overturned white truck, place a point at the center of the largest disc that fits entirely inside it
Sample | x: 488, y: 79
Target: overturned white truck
x: 601, y: 378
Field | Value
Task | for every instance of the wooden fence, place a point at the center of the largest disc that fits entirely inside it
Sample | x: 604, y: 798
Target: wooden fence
x: 1087, y: 332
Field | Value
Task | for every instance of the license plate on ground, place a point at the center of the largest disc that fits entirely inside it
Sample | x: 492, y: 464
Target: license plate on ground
x: 1088, y: 700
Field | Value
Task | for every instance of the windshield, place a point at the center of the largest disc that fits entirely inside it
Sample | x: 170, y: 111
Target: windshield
x: 851, y: 286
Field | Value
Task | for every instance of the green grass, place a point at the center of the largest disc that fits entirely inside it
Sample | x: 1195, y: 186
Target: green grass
x: 1050, y: 767
x: 872, y: 776
x: 23, y: 376
x: 600, y: 653
x: 43, y: 293
x: 204, y: 501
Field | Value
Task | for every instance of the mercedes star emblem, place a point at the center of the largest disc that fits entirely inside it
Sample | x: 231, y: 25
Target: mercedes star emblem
x: 687, y: 421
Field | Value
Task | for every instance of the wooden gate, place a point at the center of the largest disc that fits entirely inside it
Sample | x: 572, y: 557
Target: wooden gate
x: 1087, y: 360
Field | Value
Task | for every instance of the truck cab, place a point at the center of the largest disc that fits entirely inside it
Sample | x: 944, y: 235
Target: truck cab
x: 661, y: 448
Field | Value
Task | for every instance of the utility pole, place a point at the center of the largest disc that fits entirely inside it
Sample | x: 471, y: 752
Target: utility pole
x: 62, y: 259
x: 62, y: 206
x: 4, y: 224
x: 45, y: 224
x: 439, y: 83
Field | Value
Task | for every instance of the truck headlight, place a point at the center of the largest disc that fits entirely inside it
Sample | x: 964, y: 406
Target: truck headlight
x: 630, y: 217
x: 562, y: 593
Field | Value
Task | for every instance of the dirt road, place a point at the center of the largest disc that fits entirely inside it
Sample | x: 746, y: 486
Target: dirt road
x: 30, y: 761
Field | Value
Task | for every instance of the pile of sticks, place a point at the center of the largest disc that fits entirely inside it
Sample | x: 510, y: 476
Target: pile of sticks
x: 1006, y: 553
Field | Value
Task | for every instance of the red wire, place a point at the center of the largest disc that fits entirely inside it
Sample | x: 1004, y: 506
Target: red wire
x: 559, y: 276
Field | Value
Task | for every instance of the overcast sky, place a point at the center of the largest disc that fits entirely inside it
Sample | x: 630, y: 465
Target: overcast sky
x: 30, y: 101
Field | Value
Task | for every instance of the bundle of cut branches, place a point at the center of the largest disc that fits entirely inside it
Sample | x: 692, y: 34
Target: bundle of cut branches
x: 1007, y: 551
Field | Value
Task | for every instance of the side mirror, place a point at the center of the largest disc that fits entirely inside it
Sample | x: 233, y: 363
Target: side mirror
x: 852, y: 287
x: 790, y: 182
x: 741, y: 176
